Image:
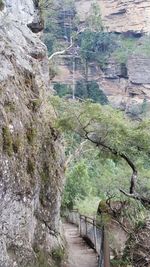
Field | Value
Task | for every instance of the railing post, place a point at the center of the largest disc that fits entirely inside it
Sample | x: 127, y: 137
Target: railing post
x: 104, y: 253
x: 101, y: 252
x: 95, y: 234
x: 106, y: 250
x: 80, y: 230
x: 86, y: 224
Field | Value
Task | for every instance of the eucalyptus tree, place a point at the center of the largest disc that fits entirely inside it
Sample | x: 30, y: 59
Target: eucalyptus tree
x: 114, y: 134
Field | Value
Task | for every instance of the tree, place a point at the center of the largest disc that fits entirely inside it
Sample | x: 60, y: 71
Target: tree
x: 114, y: 134
x: 77, y: 185
x: 94, y: 20
x: 90, y: 90
x: 62, y: 89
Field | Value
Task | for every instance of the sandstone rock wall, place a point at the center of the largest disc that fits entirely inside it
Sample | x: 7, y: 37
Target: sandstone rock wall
x: 31, y: 157
x: 126, y: 15
x: 120, y: 16
x: 127, y: 84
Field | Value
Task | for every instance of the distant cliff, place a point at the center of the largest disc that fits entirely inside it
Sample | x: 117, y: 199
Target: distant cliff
x: 31, y: 156
x: 120, y: 16
x: 125, y: 82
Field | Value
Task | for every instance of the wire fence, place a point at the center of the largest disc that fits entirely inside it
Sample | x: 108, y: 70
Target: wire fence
x: 94, y: 234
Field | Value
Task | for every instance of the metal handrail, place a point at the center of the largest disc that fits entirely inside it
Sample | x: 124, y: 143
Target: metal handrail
x: 95, y: 233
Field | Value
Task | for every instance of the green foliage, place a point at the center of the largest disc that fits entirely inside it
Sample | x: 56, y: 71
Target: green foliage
x: 77, y: 185
x: 126, y: 46
x: 16, y: 143
x: 57, y: 29
x: 83, y: 90
x: 9, y: 106
x: 10, y: 143
x: 58, y: 255
x: 31, y: 134
x: 45, y: 174
x: 104, y: 176
x: 52, y: 30
x: 42, y: 259
x: 94, y: 21
x: 43, y: 6
x: 120, y: 262
x: 88, y: 206
x: 115, y: 135
x: 7, y: 141
x: 96, y: 46
x: 96, y: 94
x: 62, y: 89
x: 90, y: 90
x: 50, y: 41
x: 141, y: 110
x: 52, y: 71
x: 119, y: 131
x: 35, y: 104
x: 139, y: 225
x: 30, y: 166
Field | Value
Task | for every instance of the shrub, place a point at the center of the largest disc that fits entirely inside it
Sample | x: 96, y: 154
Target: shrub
x: 62, y: 89
x: 126, y: 46
x: 58, y: 255
x: 96, y: 46
x: 90, y: 90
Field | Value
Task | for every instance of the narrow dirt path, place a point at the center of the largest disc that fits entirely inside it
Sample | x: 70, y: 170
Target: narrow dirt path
x: 79, y: 254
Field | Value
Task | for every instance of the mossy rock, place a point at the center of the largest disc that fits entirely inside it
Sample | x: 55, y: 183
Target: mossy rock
x: 7, y: 141
x: 31, y: 134
x: 9, y: 106
x: 45, y: 173
x: 16, y: 144
x: 30, y: 166
x: 34, y: 104
x: 103, y: 207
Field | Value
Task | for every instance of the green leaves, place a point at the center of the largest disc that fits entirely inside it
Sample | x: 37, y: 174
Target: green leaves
x: 106, y: 126
x: 120, y: 141
x: 94, y: 20
x: 77, y: 185
x: 96, y: 46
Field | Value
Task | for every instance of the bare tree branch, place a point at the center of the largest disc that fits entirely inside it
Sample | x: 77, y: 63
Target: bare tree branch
x: 132, y: 193
x: 61, y: 52
x: 144, y: 201
x: 75, y: 154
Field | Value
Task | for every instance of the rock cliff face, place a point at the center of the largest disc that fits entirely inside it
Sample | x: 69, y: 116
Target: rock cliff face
x: 120, y: 16
x: 126, y: 15
x: 31, y: 162
x: 127, y: 84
